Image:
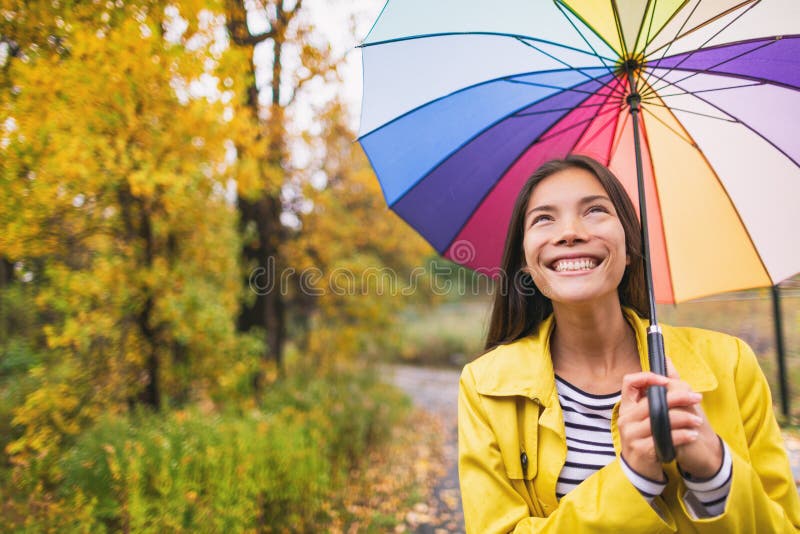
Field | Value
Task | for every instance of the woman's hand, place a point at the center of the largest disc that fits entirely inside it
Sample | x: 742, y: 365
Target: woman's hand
x: 636, y: 438
x: 701, y: 457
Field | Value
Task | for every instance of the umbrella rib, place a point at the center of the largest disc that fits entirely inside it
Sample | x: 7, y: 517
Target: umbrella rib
x: 696, y: 50
x: 658, y: 101
x: 737, y: 120
x: 614, y: 90
x: 618, y: 24
x: 694, y: 145
x: 690, y: 112
x: 664, y: 25
x: 618, y: 133
x: 375, y: 23
x: 660, y: 219
x: 548, y: 135
x: 759, y: 80
x: 602, y: 59
x: 718, y: 16
x: 551, y: 56
x: 649, y: 26
x: 677, y: 36
x: 695, y: 72
x: 573, y: 90
x: 651, y: 95
x: 545, y: 112
x: 681, y: 135
x: 507, y: 78
x: 614, y: 118
x: 549, y: 86
x: 496, y: 34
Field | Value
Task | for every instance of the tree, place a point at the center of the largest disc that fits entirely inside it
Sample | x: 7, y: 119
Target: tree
x: 351, y: 280
x: 114, y: 164
x: 290, y: 37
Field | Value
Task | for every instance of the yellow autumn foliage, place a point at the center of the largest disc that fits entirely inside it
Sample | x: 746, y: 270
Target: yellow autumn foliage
x: 115, y: 164
x: 362, y: 264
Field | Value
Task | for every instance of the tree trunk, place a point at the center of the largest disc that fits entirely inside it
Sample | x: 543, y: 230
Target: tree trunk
x: 137, y: 225
x: 151, y: 396
x: 268, y: 309
x: 6, y: 275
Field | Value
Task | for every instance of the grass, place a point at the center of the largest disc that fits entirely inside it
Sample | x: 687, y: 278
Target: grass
x: 447, y: 335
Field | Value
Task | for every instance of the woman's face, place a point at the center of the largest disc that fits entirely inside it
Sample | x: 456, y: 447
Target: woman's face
x: 574, y: 243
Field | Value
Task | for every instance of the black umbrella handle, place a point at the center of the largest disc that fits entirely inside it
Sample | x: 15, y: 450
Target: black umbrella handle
x: 657, y: 397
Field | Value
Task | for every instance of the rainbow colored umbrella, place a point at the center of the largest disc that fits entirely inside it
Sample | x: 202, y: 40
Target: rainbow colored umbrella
x: 463, y: 99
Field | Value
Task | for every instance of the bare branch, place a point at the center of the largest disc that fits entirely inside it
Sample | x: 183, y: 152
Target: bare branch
x: 237, y: 26
x: 246, y: 39
x: 319, y: 72
x: 298, y: 6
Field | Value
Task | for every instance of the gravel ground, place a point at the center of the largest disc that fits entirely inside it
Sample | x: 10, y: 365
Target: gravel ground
x: 436, y: 391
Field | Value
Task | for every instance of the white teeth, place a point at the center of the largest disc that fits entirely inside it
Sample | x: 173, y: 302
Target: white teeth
x: 575, y: 265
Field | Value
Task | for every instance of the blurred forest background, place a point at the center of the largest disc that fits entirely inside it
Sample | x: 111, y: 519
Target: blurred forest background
x: 190, y: 314
x: 151, y: 380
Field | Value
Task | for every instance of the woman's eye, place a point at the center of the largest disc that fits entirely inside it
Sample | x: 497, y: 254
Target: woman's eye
x: 597, y: 209
x: 541, y: 218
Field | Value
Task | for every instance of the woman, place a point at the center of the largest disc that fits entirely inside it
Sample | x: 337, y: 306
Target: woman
x: 554, y: 430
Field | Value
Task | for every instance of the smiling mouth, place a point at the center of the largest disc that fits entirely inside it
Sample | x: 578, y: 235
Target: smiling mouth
x: 574, y: 264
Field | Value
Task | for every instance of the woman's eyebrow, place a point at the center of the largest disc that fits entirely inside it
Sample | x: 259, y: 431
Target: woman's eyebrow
x: 593, y: 198
x: 543, y: 207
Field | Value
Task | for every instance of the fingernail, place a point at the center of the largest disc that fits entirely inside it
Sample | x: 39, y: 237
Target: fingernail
x: 697, y: 419
x: 697, y: 397
x: 693, y: 435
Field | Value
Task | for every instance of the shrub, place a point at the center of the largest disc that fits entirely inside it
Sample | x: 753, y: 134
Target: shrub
x: 275, y: 468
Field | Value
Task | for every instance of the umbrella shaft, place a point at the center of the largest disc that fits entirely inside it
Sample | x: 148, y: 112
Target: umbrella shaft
x: 633, y: 103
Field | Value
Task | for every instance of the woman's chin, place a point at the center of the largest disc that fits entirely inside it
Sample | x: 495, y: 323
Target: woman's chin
x: 576, y: 295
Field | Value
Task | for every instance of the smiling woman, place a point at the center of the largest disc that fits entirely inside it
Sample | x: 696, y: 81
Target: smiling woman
x: 554, y: 429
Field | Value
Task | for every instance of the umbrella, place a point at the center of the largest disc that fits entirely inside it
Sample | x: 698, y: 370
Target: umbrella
x: 693, y: 104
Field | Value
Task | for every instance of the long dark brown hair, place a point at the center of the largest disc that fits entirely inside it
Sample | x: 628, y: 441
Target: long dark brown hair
x: 518, y: 309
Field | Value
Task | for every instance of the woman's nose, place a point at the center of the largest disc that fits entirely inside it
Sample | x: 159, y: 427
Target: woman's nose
x: 572, y: 231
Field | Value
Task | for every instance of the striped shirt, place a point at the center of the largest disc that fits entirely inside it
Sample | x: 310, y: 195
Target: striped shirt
x: 587, y: 421
x: 590, y: 447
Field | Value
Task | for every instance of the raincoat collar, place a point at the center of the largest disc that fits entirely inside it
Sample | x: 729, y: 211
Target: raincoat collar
x: 525, y: 367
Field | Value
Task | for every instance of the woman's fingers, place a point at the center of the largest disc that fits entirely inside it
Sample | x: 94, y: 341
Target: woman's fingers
x: 682, y: 419
x: 671, y: 371
x: 639, y: 409
x: 683, y: 398
x: 684, y: 436
x: 634, y: 385
x: 639, y: 428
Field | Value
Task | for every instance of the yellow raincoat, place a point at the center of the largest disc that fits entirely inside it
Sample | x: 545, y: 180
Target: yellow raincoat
x: 508, y: 406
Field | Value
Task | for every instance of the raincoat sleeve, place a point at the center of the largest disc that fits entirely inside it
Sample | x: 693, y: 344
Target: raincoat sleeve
x: 604, y: 502
x: 763, y: 496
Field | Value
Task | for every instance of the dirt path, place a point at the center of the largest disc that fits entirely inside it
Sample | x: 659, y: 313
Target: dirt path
x: 436, y: 392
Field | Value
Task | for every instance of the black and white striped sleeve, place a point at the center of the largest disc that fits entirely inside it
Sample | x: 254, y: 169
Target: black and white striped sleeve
x: 706, y: 498
x: 649, y: 488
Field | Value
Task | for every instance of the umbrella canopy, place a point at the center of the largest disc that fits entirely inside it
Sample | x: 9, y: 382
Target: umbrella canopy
x: 462, y: 101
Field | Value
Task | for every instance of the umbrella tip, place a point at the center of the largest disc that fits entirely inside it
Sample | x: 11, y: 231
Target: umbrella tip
x: 632, y: 65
